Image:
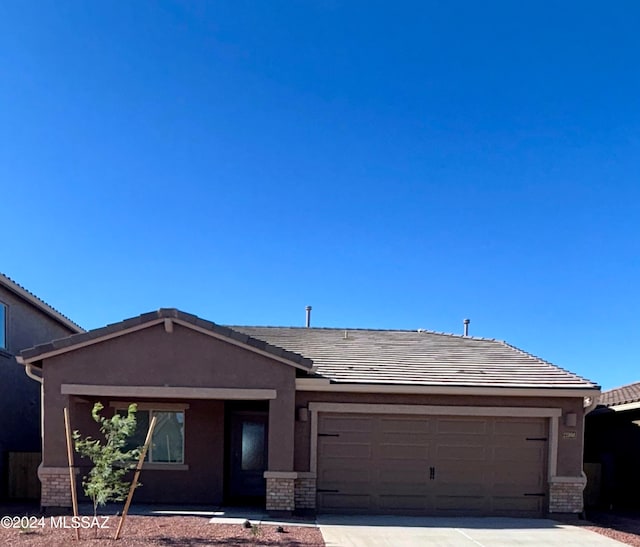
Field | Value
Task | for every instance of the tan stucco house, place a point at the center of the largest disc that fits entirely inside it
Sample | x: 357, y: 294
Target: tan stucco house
x: 327, y: 420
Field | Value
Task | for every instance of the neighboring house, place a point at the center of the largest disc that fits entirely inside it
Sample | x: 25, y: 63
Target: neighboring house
x: 25, y: 321
x: 612, y: 449
x: 327, y: 420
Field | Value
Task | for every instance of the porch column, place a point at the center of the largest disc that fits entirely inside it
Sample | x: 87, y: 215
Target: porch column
x: 280, y: 476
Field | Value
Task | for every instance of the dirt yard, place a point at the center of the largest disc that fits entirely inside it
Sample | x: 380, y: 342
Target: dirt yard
x: 155, y: 531
x: 620, y: 526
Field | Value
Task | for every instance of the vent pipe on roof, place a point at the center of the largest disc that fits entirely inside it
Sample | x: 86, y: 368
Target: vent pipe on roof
x: 466, y: 326
x: 308, y: 310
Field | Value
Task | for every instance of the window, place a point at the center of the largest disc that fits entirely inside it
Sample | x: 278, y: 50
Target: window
x: 3, y: 326
x: 167, y: 443
x: 252, y: 446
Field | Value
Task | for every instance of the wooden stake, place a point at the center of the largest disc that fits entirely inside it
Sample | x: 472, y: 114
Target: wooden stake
x: 136, y: 475
x: 72, y: 474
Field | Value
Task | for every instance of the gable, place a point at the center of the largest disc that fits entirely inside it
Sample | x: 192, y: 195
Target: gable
x: 156, y: 356
x: 167, y: 318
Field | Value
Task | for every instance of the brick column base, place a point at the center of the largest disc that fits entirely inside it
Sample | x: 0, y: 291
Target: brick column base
x: 565, y: 494
x: 305, y: 492
x: 55, y: 486
x: 280, y: 491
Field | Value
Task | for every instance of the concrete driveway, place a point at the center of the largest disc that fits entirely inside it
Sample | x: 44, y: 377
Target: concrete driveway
x: 388, y: 531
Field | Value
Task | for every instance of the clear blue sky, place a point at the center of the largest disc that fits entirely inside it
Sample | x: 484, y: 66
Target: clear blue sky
x: 393, y: 164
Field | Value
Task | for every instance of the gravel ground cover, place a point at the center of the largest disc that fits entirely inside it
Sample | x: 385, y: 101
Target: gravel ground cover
x: 619, y: 526
x: 171, y: 531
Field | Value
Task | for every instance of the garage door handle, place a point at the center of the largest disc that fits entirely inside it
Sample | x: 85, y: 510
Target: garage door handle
x: 328, y: 434
x: 327, y: 490
x: 432, y: 473
x: 540, y: 495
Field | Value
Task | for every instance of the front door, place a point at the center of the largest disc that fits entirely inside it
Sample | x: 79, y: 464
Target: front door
x: 248, y: 455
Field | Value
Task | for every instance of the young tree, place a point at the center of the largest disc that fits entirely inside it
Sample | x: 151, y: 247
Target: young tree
x: 111, y: 460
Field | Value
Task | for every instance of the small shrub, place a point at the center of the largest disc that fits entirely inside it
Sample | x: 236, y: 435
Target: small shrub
x: 111, y: 461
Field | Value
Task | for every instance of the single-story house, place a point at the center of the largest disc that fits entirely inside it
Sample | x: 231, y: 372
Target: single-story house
x: 612, y: 449
x: 25, y: 320
x: 323, y: 419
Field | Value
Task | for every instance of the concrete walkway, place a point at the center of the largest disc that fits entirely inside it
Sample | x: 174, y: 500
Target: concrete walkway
x: 387, y: 531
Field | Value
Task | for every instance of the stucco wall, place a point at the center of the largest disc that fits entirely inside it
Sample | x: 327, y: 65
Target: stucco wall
x: 186, y: 358
x: 19, y: 395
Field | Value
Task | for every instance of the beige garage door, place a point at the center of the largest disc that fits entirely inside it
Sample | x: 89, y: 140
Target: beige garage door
x: 435, y: 465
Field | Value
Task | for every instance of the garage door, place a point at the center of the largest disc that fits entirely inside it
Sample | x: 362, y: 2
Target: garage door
x: 436, y: 465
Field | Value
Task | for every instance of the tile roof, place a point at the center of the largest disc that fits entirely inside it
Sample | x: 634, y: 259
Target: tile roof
x: 416, y: 357
x: 164, y: 313
x: 18, y: 289
x: 620, y: 395
x: 371, y: 356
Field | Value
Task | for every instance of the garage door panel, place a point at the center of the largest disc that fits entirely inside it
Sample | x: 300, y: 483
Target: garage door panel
x: 346, y: 424
x: 406, y: 479
x: 395, y: 438
x: 516, y: 454
x: 447, y: 474
x: 409, y: 425
x: 405, y: 452
x: 461, y: 453
x: 461, y: 504
x: 461, y: 489
x: 341, y: 475
x: 461, y: 426
x: 401, y: 482
x: 346, y: 451
x: 403, y: 503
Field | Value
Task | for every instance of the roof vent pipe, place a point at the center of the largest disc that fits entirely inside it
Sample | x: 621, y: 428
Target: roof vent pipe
x: 308, y: 322
x: 466, y: 326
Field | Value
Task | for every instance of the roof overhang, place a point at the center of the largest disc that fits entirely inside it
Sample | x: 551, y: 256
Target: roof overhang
x: 324, y: 385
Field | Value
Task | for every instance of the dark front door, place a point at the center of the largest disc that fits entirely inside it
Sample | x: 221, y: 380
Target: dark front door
x: 248, y: 455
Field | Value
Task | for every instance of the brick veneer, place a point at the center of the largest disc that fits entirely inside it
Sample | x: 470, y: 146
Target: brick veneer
x: 280, y: 494
x: 565, y: 494
x: 305, y: 493
x: 55, y: 487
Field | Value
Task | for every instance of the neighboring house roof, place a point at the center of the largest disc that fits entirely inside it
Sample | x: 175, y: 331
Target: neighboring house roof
x: 45, y: 308
x: 416, y: 357
x: 624, y: 395
x: 147, y: 319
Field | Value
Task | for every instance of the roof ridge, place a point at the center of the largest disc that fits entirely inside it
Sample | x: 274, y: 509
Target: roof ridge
x: 11, y: 284
x: 363, y: 329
